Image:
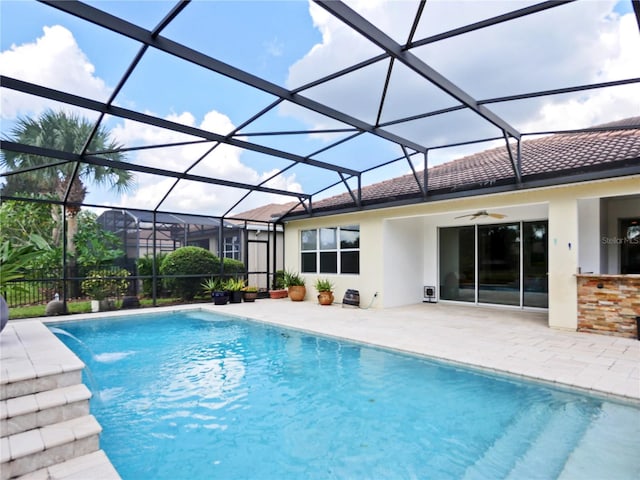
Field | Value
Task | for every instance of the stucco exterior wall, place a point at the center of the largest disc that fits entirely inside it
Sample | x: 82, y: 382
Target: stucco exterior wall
x: 563, y: 261
x: 370, y: 279
x: 398, y: 245
x: 402, y: 251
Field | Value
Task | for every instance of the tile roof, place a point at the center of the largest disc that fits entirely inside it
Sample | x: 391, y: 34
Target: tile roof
x: 266, y: 213
x: 544, y: 157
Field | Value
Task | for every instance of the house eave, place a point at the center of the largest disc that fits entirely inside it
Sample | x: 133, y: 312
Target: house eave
x: 624, y: 168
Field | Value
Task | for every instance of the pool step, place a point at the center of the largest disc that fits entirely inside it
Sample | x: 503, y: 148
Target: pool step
x: 501, y: 456
x: 536, y: 445
x: 46, y: 430
x: 550, y: 450
x: 94, y: 465
x: 34, y: 360
x: 27, y: 412
x: 609, y: 439
x: 43, y: 447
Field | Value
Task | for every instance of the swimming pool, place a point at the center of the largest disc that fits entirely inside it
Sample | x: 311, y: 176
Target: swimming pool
x: 193, y: 395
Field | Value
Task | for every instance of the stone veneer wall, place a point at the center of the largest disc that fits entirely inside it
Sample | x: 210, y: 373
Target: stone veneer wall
x: 609, y: 304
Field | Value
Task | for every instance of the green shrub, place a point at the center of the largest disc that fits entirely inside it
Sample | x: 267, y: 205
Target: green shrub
x: 145, y: 267
x: 98, y: 286
x: 189, y: 261
x: 232, y: 266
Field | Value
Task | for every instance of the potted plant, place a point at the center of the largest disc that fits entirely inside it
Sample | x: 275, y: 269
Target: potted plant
x: 215, y: 288
x: 295, y: 286
x: 325, y: 291
x: 234, y: 286
x: 278, y: 290
x: 250, y: 293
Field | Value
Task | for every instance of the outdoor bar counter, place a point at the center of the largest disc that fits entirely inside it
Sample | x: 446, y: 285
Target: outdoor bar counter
x: 609, y: 304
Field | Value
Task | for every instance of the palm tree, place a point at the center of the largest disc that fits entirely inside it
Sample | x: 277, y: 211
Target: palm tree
x: 68, y: 133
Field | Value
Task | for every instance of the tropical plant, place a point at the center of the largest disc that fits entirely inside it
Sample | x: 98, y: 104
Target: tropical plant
x: 213, y: 284
x: 20, y: 219
x: 278, y: 280
x: 64, y: 132
x: 250, y: 288
x: 96, y: 247
x: 101, y: 284
x: 186, y: 263
x: 323, y: 285
x: 234, y: 284
x: 292, y: 279
x: 13, y: 260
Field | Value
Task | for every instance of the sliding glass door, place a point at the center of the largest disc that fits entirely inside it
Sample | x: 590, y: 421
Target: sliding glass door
x: 535, y: 265
x: 503, y: 264
x: 499, y: 264
x: 458, y: 264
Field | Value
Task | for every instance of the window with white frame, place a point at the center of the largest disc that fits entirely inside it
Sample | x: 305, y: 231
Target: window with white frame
x: 331, y: 250
x: 232, y: 247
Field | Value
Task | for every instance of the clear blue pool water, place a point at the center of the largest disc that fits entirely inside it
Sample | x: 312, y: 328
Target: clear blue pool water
x: 197, y: 396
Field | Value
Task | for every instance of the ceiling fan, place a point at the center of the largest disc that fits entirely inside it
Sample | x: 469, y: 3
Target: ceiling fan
x: 482, y: 213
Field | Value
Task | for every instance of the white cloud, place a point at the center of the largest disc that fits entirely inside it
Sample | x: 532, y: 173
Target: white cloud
x: 570, y: 45
x: 622, y: 43
x: 274, y: 47
x: 224, y: 162
x: 54, y: 60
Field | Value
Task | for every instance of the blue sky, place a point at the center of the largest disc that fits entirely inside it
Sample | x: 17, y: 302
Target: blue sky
x: 292, y: 42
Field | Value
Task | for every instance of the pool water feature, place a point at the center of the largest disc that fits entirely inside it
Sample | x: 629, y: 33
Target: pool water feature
x: 194, y: 395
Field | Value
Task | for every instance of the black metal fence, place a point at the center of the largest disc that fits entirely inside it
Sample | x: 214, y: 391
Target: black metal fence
x: 41, y: 286
x: 37, y: 287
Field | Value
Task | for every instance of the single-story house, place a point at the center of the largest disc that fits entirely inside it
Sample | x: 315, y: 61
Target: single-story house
x: 565, y: 236
x: 264, y: 241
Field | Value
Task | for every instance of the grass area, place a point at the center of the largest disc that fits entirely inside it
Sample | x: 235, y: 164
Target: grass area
x: 84, y: 306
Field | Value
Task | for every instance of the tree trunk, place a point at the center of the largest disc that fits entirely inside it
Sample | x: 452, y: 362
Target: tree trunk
x: 57, y: 220
x: 72, y: 229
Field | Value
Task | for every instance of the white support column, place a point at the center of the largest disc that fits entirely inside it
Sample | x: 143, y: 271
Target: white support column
x: 563, y: 263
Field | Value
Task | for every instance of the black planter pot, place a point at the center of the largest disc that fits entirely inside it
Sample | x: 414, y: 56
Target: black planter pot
x: 220, y: 298
x: 235, y: 296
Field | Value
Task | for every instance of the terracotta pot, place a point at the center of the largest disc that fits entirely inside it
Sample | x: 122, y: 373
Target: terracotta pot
x: 250, y: 296
x: 282, y: 293
x: 325, y: 298
x: 297, y: 293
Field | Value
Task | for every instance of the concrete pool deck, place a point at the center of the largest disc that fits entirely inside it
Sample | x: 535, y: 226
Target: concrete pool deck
x: 503, y: 340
